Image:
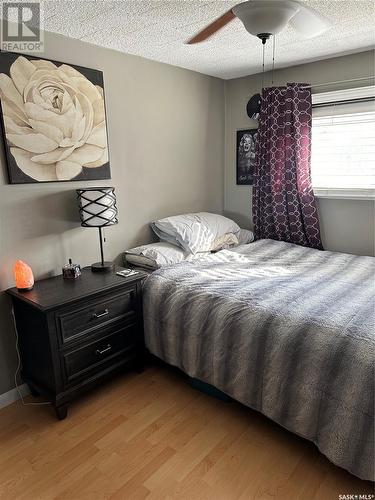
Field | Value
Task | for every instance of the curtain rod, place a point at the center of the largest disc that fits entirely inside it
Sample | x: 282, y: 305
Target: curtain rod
x: 341, y: 81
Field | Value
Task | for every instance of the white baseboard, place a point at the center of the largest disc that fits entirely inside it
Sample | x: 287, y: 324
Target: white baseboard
x: 11, y: 396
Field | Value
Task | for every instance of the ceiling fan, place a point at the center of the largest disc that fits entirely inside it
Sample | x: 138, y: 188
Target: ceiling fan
x: 264, y: 18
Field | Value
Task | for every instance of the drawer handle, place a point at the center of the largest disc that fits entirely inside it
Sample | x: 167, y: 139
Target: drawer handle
x: 108, y: 348
x: 100, y: 315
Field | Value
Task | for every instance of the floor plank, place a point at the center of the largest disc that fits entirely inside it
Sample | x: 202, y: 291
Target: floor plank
x: 152, y: 436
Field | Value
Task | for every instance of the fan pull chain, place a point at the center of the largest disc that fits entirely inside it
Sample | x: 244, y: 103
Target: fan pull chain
x: 273, y: 56
x: 264, y: 48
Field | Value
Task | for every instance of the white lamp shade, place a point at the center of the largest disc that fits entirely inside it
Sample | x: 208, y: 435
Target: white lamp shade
x: 265, y: 16
x: 97, y: 206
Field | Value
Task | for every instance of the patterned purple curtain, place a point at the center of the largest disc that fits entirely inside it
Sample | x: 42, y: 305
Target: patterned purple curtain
x: 283, y: 200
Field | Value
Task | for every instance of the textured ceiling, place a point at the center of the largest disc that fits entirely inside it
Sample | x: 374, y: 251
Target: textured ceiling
x: 157, y: 29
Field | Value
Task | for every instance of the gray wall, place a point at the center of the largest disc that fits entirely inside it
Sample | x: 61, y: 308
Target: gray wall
x: 166, y: 129
x: 346, y: 225
x: 166, y: 138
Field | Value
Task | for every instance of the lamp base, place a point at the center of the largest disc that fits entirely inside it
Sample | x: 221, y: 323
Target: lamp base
x: 25, y: 289
x: 104, y: 267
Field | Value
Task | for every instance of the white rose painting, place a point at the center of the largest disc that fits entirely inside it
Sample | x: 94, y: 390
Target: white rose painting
x: 54, y: 120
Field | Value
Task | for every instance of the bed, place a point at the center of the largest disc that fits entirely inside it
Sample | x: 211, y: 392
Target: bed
x: 283, y: 329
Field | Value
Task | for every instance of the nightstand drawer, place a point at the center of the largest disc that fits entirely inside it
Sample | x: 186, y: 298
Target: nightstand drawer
x: 95, y: 355
x: 97, y: 313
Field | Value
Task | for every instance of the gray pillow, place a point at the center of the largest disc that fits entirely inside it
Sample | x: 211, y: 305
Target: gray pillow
x: 245, y: 236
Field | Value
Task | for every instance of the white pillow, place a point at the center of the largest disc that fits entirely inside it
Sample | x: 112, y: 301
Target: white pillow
x: 245, y: 236
x: 155, y: 255
x: 194, y: 232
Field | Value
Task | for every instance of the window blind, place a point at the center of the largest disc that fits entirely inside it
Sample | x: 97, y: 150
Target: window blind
x: 343, y: 149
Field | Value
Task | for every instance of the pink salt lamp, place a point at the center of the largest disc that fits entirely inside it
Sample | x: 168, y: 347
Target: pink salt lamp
x: 23, y: 275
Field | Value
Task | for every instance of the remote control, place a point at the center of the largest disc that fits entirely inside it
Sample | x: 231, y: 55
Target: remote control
x: 126, y: 272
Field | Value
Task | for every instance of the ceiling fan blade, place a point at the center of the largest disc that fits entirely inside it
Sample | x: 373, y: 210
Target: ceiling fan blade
x: 309, y: 22
x: 212, y: 28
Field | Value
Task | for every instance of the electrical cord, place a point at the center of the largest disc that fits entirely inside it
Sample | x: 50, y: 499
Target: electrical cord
x: 273, y: 56
x: 16, y: 373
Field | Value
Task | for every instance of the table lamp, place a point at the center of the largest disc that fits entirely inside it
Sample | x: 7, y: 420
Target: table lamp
x: 97, y: 208
x: 23, y: 276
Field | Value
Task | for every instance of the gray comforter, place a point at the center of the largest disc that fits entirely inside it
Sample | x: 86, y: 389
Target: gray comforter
x: 286, y: 330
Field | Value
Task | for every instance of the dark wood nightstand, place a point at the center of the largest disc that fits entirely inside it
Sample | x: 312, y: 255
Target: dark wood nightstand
x: 74, y: 333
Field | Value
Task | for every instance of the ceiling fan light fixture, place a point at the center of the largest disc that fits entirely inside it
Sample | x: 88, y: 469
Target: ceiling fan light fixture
x: 265, y: 16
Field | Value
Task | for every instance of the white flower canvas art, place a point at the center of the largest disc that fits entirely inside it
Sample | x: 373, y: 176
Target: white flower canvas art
x: 54, y: 120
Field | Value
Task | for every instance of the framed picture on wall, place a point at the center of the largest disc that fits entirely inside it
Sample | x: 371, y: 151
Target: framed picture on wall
x: 53, y: 120
x: 245, y: 156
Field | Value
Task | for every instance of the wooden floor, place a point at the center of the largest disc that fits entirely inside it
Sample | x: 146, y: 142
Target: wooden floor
x: 152, y: 436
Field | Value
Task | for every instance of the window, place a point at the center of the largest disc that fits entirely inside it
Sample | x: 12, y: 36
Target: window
x: 343, y: 145
x: 343, y: 151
